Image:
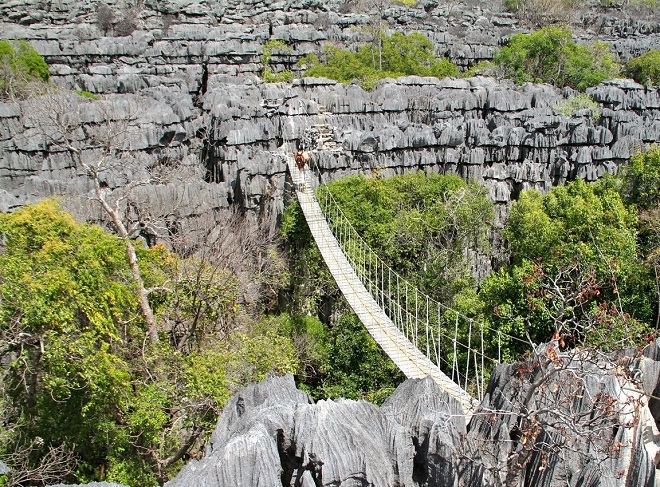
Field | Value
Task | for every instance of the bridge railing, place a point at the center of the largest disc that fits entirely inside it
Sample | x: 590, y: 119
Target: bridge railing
x: 452, y: 341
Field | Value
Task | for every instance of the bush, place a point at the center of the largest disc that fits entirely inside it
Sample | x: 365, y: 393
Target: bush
x: 268, y: 75
x: 394, y: 56
x: 641, y: 179
x: 645, y: 69
x: 125, y: 27
x: 21, y: 67
x: 88, y: 94
x: 549, y: 55
x: 575, y: 104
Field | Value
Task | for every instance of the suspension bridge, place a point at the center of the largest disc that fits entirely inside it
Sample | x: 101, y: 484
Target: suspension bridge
x: 406, y: 323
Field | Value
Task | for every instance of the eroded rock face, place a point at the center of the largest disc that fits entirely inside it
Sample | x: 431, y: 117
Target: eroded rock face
x: 193, y: 66
x: 282, y: 438
x: 227, y: 152
x: 584, y: 423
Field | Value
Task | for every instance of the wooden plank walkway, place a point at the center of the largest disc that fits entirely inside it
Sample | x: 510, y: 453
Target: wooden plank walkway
x: 412, y: 362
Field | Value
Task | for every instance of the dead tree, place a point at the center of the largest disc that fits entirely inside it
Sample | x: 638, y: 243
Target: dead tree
x: 97, y: 136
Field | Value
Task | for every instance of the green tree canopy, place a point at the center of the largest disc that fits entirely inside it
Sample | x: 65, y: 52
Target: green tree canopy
x: 641, y: 179
x: 549, y: 55
x: 645, y: 69
x: 576, y: 268
x: 79, y: 372
x: 422, y: 225
x: 394, y: 56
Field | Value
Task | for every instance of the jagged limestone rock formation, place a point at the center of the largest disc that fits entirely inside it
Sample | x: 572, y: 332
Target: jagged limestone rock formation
x: 193, y: 68
x: 569, y: 419
x: 226, y: 152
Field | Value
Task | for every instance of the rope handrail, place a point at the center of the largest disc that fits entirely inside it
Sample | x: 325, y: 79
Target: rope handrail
x: 417, y: 315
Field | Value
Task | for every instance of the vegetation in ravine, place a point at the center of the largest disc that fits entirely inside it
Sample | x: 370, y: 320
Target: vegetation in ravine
x: 267, y: 50
x: 579, y: 105
x: 427, y: 227
x: 80, y: 375
x: 645, y: 69
x: 577, y: 266
x: 86, y: 396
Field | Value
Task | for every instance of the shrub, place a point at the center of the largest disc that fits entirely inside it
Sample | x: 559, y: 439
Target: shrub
x: 87, y: 94
x: 21, y: 67
x: 641, y: 179
x: 394, y: 56
x: 645, y: 69
x: 268, y: 75
x: 549, y: 55
x: 126, y: 26
x: 574, y: 104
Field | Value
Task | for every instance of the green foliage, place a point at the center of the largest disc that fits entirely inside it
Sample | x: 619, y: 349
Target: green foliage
x: 549, y: 55
x: 578, y: 103
x: 269, y: 76
x: 310, y: 281
x: 482, y: 68
x: 641, y: 179
x: 267, y: 50
x: 87, y: 94
x: 645, y: 69
x: 21, y: 67
x: 640, y: 186
x: 421, y: 225
x: 579, y: 219
x: 575, y: 269
x: 356, y: 368
x: 78, y: 370
x: 393, y: 56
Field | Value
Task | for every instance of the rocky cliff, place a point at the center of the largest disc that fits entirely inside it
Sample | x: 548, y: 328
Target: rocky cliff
x: 575, y: 420
x: 226, y: 152
x: 186, y: 73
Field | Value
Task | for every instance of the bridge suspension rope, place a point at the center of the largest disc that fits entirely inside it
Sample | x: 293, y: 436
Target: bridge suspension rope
x: 460, y: 352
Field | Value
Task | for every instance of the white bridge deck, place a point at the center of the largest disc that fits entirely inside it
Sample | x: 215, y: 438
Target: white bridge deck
x: 412, y: 362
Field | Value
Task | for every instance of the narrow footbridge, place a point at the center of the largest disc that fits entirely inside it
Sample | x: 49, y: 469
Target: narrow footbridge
x: 403, y: 321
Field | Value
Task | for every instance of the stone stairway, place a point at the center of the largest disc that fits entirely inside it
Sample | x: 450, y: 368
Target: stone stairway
x: 401, y: 351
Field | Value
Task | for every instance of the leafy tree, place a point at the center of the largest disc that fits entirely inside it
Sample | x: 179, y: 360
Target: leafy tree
x: 78, y: 373
x: 21, y: 67
x: 578, y: 104
x: 396, y: 55
x: 356, y: 368
x: 549, y: 55
x: 641, y: 179
x: 266, y: 56
x: 576, y: 269
x: 422, y: 225
x: 640, y: 186
x: 645, y: 69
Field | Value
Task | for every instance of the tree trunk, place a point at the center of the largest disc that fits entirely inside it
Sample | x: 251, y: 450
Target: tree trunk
x: 143, y: 301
